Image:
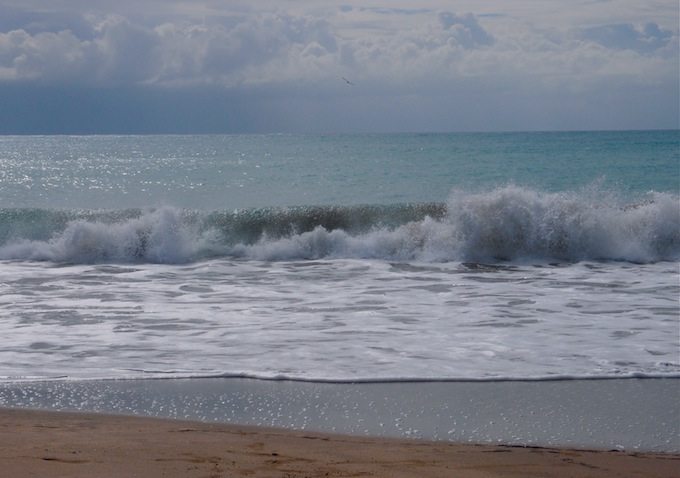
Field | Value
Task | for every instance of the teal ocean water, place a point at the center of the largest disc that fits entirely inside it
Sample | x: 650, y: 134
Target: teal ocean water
x: 252, y: 171
x: 340, y: 257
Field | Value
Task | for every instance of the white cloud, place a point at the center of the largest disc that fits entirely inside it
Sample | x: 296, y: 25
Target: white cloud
x: 41, y: 56
x: 245, y: 48
x: 465, y: 29
x: 626, y: 36
x: 122, y: 52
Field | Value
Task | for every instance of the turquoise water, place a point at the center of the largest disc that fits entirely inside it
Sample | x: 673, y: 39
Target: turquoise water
x: 227, y: 172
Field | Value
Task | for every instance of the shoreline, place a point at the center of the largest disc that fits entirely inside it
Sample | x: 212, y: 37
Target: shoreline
x: 631, y: 414
x: 48, y: 443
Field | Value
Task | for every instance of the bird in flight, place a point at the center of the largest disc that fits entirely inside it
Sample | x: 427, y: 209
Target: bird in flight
x: 347, y: 81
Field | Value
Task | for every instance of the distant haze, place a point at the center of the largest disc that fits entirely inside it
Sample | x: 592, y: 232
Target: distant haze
x: 213, y: 66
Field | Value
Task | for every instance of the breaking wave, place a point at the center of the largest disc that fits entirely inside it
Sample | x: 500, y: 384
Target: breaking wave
x: 509, y: 223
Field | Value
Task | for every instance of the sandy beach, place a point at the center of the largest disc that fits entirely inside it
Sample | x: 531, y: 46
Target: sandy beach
x: 59, y: 444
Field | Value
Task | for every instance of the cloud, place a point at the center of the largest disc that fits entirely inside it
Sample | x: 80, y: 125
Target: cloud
x: 34, y: 22
x: 394, y: 11
x: 465, y: 29
x: 402, y: 60
x: 122, y: 52
x: 275, y: 48
x: 625, y: 36
x: 43, y: 56
x: 260, y: 49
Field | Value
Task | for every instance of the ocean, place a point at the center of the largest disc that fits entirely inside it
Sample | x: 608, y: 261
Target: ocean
x: 340, y: 258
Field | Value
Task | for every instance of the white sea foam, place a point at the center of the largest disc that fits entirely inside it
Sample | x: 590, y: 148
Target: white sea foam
x: 159, y: 236
x: 514, y: 222
x: 339, y: 319
x: 508, y: 223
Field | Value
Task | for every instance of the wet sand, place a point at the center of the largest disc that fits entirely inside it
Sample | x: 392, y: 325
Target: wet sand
x: 634, y: 415
x: 65, y: 444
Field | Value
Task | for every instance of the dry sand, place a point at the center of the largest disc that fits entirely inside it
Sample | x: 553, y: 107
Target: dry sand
x: 57, y: 444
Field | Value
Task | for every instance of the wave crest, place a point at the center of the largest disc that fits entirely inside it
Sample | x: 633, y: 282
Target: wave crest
x: 159, y: 236
x: 508, y: 223
x: 514, y: 222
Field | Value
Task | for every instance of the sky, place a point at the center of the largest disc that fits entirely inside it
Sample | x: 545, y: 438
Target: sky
x: 321, y: 66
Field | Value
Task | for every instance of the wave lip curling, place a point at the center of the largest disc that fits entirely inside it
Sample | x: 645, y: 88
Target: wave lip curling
x: 506, y: 224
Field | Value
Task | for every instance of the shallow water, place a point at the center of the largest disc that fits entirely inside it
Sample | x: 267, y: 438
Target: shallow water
x: 339, y: 320
x: 624, y: 415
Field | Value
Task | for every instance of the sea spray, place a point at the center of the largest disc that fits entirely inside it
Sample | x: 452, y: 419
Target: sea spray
x: 159, y: 236
x: 514, y: 222
x: 508, y: 223
x: 504, y: 224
